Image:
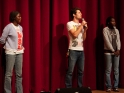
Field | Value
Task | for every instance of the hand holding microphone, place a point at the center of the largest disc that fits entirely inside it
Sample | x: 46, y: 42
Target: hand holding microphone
x: 84, y: 23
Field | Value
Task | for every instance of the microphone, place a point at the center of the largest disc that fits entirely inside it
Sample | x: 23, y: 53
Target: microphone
x: 84, y: 22
x: 82, y: 19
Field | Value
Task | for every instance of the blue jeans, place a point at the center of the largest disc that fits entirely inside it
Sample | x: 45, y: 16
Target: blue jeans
x: 13, y: 62
x: 112, y: 60
x: 75, y: 56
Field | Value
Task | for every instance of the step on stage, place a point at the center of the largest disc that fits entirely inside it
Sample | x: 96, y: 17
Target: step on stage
x: 103, y: 91
x: 72, y: 90
x: 82, y: 90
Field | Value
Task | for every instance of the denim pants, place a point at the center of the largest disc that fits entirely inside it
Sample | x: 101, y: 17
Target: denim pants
x: 111, y: 60
x: 75, y: 57
x: 13, y: 62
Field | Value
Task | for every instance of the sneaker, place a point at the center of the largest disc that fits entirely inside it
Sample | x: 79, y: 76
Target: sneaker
x: 108, y: 90
x: 116, y: 90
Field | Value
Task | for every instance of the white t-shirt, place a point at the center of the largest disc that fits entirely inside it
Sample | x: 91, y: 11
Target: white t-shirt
x: 77, y: 43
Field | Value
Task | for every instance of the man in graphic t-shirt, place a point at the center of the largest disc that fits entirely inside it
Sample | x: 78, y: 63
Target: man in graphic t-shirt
x: 77, y: 34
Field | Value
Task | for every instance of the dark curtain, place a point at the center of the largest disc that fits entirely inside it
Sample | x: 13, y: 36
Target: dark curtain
x: 46, y: 41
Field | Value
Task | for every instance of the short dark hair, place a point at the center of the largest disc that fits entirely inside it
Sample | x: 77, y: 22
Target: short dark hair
x: 73, y: 11
x: 108, y: 20
x: 13, y: 15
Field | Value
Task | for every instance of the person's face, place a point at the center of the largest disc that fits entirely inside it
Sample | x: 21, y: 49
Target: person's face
x: 78, y: 14
x: 18, y: 18
x: 112, y: 22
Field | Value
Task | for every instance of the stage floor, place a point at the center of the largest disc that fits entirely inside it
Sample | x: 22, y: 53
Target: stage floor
x: 101, y: 91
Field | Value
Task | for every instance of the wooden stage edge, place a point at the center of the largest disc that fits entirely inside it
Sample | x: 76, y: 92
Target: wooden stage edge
x: 103, y: 91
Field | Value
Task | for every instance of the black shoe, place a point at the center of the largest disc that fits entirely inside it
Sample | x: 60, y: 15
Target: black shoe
x: 116, y: 90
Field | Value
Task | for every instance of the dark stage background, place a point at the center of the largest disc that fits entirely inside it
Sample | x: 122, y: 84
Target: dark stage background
x: 46, y: 41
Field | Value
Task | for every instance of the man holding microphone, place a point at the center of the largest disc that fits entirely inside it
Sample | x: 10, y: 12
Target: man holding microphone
x: 77, y: 34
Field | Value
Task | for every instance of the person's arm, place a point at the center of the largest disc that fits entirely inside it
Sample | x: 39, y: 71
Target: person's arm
x: 4, y: 35
x: 118, y: 41
x: 76, y: 32
x: 117, y: 53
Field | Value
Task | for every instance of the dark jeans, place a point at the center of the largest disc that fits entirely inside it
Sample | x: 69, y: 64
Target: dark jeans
x: 75, y: 56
